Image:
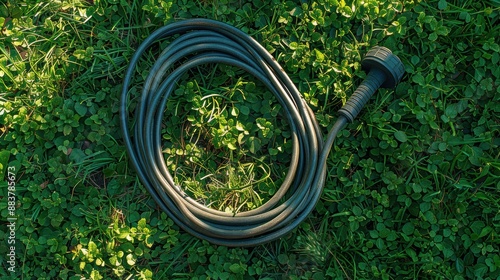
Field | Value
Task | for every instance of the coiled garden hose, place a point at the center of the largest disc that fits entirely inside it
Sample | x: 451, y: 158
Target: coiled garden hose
x: 204, y: 41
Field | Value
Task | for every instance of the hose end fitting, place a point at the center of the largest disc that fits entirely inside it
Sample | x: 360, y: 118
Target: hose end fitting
x: 384, y: 70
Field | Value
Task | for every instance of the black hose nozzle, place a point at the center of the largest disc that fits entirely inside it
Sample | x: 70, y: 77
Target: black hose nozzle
x: 384, y: 70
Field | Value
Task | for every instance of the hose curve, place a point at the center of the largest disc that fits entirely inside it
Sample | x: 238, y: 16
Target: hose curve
x: 204, y: 41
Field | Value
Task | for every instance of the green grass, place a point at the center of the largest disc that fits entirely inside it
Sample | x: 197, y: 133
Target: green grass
x: 413, y: 186
x: 223, y: 139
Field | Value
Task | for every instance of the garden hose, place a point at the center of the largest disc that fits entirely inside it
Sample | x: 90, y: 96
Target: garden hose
x: 201, y: 42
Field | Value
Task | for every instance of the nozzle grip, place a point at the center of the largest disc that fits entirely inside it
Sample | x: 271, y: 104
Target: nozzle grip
x: 358, y: 100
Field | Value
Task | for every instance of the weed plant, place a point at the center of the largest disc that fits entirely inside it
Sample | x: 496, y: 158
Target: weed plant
x: 413, y: 185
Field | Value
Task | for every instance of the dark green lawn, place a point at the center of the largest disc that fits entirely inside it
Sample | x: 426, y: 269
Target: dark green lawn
x: 413, y: 184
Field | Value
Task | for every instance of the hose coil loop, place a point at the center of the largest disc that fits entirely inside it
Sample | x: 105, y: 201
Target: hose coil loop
x: 204, y: 41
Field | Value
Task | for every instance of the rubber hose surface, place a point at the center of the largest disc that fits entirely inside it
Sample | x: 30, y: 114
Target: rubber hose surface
x: 203, y: 41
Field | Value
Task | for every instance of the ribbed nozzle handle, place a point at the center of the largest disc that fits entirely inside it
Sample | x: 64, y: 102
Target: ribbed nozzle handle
x: 384, y: 70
